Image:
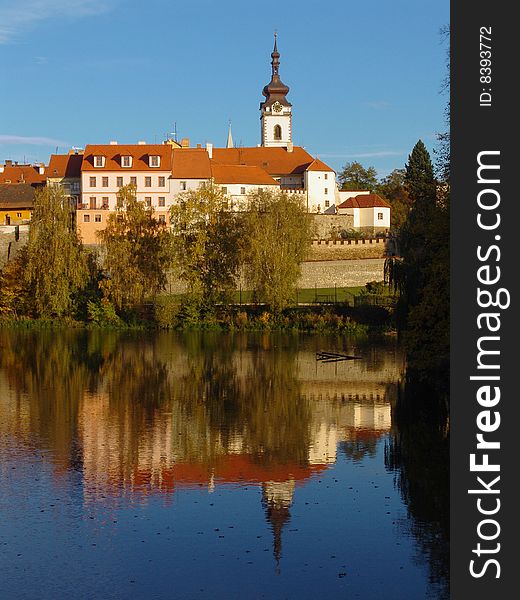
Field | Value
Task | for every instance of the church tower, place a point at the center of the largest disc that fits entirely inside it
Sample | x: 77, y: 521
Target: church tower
x: 275, y: 111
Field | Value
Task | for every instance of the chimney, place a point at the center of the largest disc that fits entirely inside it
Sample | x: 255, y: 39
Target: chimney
x: 41, y: 169
x: 185, y: 143
x: 8, y: 163
x: 209, y: 149
x: 114, y: 142
x: 141, y: 143
x: 2, y: 168
x: 199, y: 145
x: 290, y: 146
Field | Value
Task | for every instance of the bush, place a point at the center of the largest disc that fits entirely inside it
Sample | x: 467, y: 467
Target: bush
x: 166, y: 311
x: 103, y: 313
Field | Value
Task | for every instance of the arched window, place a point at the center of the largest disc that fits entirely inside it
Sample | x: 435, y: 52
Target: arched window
x: 277, y: 132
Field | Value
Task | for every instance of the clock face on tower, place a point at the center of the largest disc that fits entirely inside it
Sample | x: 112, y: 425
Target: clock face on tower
x: 277, y: 107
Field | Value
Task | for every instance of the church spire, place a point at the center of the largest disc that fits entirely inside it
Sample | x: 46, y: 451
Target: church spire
x: 275, y: 90
x: 229, y: 143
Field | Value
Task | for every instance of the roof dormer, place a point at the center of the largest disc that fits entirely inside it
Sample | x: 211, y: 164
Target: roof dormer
x: 126, y: 161
x: 99, y: 161
x: 154, y: 160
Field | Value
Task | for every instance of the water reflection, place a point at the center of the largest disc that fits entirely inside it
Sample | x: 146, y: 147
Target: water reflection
x: 139, y: 416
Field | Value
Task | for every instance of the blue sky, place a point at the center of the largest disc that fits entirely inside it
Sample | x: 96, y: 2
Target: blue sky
x: 364, y: 77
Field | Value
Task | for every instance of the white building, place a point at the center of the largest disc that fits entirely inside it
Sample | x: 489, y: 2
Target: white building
x: 370, y: 212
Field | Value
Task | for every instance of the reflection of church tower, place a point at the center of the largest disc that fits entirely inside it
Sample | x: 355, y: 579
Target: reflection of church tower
x: 277, y: 497
x: 275, y: 111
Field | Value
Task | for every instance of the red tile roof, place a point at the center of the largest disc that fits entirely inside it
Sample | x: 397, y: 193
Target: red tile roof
x: 318, y: 165
x: 252, y: 175
x: 276, y: 161
x: 29, y: 174
x: 64, y: 165
x: 139, y: 152
x: 365, y: 201
x: 191, y: 163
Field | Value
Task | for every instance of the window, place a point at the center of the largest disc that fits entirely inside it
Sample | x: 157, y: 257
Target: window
x: 86, y: 218
x: 277, y: 132
x: 74, y: 187
x: 92, y: 202
x: 119, y: 181
x: 326, y: 176
x: 162, y: 201
x: 126, y: 161
x: 260, y: 189
x: 162, y: 218
x: 97, y: 218
x: 242, y: 190
x: 379, y: 216
x: 224, y: 190
x: 148, y: 201
x: 183, y: 185
x: 104, y: 204
x: 147, y: 182
x: 326, y: 190
x: 104, y: 181
x: 133, y: 181
x: 155, y: 161
x: 92, y: 182
x: 161, y: 182
x: 327, y: 203
x: 18, y: 215
x: 99, y: 161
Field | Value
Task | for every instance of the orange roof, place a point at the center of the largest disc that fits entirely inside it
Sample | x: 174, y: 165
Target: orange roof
x: 191, y: 163
x: 140, y: 154
x: 64, y: 165
x: 318, y: 165
x: 276, y: 161
x: 364, y: 201
x: 29, y: 174
x: 241, y: 174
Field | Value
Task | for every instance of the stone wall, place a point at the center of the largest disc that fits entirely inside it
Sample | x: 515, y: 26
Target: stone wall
x: 350, y: 249
x: 11, y: 242
x: 326, y: 224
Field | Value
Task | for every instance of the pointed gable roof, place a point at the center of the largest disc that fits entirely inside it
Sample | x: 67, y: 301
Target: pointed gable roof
x: 64, y: 165
x: 140, y: 154
x: 318, y: 165
x: 191, y: 163
x: 275, y: 161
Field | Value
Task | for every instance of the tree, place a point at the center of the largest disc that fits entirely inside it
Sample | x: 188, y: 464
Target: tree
x: 393, y: 188
x: 355, y: 176
x: 137, y: 251
x: 279, y: 234
x: 56, y: 266
x: 207, y: 241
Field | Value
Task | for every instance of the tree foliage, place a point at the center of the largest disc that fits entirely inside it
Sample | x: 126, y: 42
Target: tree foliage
x: 355, y: 176
x: 207, y: 241
x: 137, y: 249
x: 393, y: 188
x: 56, y: 264
x: 279, y: 234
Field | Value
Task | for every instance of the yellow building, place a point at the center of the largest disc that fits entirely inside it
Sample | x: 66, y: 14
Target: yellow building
x: 16, y: 203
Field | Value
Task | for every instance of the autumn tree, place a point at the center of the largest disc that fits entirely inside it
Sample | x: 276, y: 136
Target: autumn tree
x: 393, y: 188
x: 355, y: 176
x: 57, y: 265
x: 207, y: 241
x: 137, y: 250
x: 279, y: 235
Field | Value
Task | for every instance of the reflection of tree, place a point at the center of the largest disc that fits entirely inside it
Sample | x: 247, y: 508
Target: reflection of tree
x: 418, y: 451
x: 357, y: 449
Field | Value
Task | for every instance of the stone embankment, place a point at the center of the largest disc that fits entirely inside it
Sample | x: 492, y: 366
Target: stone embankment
x: 12, y: 239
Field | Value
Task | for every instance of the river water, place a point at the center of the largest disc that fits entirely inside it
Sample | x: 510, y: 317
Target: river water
x: 212, y: 466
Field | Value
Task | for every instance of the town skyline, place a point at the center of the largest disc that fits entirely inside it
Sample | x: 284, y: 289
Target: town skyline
x: 223, y: 79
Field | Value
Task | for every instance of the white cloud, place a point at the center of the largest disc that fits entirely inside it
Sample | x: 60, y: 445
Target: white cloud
x: 30, y: 140
x: 17, y: 17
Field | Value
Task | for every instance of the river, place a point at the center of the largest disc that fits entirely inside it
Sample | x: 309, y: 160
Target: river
x: 211, y: 466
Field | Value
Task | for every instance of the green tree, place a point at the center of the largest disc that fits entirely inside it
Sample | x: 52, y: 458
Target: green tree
x: 207, y: 241
x: 355, y: 176
x: 56, y: 266
x: 423, y: 310
x: 393, y: 188
x: 279, y: 234
x: 138, y: 251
